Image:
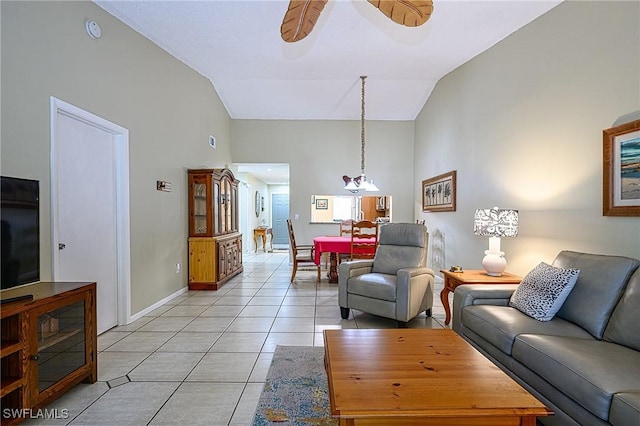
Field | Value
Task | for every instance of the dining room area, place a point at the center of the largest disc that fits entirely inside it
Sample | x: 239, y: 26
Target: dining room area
x: 349, y: 229
x: 379, y: 269
x: 379, y: 266
x: 343, y: 227
x: 356, y: 240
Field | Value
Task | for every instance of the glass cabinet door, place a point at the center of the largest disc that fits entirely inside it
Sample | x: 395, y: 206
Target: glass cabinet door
x: 213, y: 202
x: 226, y: 206
x: 234, y: 214
x: 216, y: 208
x: 200, y: 208
x: 61, y: 343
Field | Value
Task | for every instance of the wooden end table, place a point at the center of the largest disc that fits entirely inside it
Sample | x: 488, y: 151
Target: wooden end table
x: 263, y: 232
x: 416, y: 376
x: 454, y: 279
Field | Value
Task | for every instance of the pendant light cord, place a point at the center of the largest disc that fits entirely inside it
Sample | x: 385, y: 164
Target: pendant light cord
x: 362, y: 77
x: 361, y: 182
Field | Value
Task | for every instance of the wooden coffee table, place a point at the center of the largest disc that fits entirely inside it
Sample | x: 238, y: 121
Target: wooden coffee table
x: 420, y: 376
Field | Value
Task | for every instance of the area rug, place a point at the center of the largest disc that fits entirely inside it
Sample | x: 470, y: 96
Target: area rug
x: 295, y: 391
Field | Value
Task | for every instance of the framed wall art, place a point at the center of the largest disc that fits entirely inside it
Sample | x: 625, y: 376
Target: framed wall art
x: 257, y: 202
x: 621, y: 170
x: 322, y: 203
x: 439, y: 193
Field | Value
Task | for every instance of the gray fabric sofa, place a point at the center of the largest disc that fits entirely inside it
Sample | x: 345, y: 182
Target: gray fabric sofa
x: 584, y: 364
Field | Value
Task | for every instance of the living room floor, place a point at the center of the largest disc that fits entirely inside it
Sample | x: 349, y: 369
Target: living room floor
x: 202, y: 358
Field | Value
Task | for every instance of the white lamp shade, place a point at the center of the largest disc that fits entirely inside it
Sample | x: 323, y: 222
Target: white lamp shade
x: 496, y: 222
x: 372, y: 187
x: 351, y: 186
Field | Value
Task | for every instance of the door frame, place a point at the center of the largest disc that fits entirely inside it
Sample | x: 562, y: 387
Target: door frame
x: 244, y: 192
x: 123, y: 237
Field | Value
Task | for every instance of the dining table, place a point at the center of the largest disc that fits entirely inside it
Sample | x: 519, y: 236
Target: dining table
x: 334, y: 245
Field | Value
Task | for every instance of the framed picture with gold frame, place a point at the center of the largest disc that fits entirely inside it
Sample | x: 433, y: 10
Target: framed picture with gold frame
x: 621, y: 170
x: 322, y: 203
x: 439, y: 193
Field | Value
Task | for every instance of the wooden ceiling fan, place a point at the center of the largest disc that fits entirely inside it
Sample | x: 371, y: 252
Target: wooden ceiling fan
x: 302, y: 15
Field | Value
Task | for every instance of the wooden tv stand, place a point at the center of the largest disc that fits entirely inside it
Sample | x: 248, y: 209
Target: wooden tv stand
x: 58, y: 323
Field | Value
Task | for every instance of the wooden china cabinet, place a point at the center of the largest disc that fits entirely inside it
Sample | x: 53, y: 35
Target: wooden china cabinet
x: 215, y: 245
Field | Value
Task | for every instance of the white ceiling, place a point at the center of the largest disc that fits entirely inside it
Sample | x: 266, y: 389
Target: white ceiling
x: 236, y: 44
x: 269, y: 173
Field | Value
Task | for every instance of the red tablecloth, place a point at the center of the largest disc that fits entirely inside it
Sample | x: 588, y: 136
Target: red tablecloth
x: 335, y: 244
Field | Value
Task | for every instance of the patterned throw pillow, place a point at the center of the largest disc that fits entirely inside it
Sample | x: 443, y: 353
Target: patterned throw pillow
x: 543, y: 291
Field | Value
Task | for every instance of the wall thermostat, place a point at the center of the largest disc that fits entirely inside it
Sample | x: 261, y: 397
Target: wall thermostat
x: 93, y: 29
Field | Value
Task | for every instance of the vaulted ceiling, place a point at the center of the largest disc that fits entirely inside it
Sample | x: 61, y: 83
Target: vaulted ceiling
x: 236, y: 44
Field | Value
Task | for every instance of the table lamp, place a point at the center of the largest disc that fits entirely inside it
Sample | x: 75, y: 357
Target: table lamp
x: 495, y: 223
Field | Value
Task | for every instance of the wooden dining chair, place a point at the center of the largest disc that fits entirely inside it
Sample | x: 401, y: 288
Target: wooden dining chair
x: 345, y: 227
x: 302, y: 254
x: 345, y: 230
x: 364, y: 249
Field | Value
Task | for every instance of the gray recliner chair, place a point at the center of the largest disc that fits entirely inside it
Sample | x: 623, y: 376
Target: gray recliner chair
x: 396, y: 284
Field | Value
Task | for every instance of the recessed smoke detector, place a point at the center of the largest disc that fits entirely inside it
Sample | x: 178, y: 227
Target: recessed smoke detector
x: 93, y: 29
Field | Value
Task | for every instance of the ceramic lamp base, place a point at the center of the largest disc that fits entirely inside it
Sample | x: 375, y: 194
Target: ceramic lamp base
x: 494, y: 263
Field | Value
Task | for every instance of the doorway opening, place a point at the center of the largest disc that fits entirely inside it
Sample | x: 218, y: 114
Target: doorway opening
x: 266, y: 203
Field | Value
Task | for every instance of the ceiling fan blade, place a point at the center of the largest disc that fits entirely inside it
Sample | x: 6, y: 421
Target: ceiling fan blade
x: 300, y: 18
x: 410, y: 13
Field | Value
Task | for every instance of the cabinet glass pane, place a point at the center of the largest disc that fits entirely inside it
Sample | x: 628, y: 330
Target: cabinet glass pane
x: 200, y: 208
x: 61, y: 343
x: 216, y: 208
x: 228, y: 209
x: 234, y: 214
x: 200, y: 224
x: 223, y: 206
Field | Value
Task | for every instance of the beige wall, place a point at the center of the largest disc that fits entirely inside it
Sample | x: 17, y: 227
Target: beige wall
x: 248, y: 208
x: 169, y: 109
x: 320, y: 152
x: 522, y: 124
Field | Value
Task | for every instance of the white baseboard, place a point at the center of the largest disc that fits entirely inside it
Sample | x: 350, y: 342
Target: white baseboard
x: 156, y: 305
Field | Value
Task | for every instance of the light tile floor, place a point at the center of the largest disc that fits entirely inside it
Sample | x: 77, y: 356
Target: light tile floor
x: 202, y: 358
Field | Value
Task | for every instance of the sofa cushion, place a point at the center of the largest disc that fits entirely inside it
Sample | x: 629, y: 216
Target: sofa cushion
x: 400, y: 245
x: 375, y: 286
x: 598, y: 289
x: 625, y: 409
x: 624, y: 325
x: 500, y: 325
x: 582, y: 369
x: 543, y: 291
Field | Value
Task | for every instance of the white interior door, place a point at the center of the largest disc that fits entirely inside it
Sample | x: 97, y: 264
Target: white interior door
x: 85, y: 210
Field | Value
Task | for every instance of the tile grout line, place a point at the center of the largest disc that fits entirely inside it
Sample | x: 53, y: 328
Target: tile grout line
x: 269, y: 276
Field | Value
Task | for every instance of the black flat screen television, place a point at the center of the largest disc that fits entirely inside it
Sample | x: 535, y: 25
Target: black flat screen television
x: 20, y: 216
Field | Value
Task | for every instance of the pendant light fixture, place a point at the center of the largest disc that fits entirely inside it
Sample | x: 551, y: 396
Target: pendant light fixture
x: 360, y: 182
